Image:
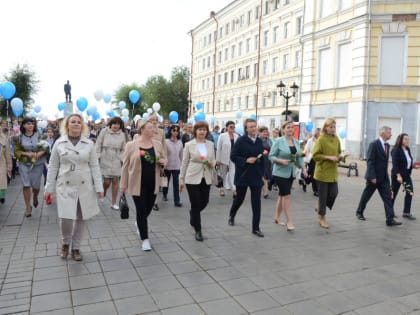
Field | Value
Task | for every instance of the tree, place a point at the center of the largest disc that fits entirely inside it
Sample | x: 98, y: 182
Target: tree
x: 26, y: 85
x: 122, y: 95
x: 179, y: 91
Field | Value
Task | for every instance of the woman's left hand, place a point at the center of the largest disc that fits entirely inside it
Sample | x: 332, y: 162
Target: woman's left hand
x: 161, y: 162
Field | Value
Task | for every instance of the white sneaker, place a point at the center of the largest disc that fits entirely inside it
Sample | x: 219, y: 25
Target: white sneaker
x: 137, y: 228
x: 146, y: 245
x: 115, y: 207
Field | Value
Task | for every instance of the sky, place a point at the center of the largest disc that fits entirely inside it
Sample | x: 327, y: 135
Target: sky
x: 97, y: 45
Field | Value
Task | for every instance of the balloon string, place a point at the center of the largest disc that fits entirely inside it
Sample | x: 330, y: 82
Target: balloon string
x: 7, y: 108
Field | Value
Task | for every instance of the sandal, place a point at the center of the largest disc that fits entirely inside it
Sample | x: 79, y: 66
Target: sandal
x: 279, y: 222
x: 28, y: 213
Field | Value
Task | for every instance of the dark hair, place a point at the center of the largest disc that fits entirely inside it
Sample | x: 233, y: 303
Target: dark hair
x: 261, y: 129
x: 24, y: 121
x: 248, y: 120
x: 229, y: 122
x: 198, y: 125
x: 399, y: 140
x: 116, y: 121
x: 173, y: 127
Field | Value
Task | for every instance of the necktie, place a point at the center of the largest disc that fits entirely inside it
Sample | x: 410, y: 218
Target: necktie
x: 386, y: 148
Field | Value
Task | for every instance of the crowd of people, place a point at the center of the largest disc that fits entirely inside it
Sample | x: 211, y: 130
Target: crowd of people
x: 82, y: 161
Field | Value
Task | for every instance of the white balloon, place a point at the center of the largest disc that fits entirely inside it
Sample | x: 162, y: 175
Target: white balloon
x: 125, y: 112
x: 156, y: 107
x: 149, y: 110
x: 99, y: 94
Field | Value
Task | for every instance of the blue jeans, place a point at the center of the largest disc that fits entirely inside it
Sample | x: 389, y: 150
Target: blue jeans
x: 175, y: 184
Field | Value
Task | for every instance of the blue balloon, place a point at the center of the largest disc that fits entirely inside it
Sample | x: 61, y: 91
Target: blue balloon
x: 145, y: 116
x: 238, y: 114
x: 134, y: 96
x: 309, y: 126
x: 110, y: 113
x: 31, y: 114
x: 7, y: 90
x: 124, y: 118
x: 17, y: 106
x: 239, y: 128
x: 61, y: 106
x: 199, y: 116
x: 342, y: 133
x: 37, y: 108
x: 82, y: 103
x: 122, y: 105
x: 96, y: 116
x: 199, y: 106
x: 173, y: 117
x: 107, y: 98
x: 66, y: 113
x: 252, y: 116
x: 91, y: 110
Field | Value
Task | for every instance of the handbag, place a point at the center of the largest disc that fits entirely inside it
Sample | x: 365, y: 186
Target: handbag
x: 124, y: 210
x: 163, y: 179
x: 217, y: 179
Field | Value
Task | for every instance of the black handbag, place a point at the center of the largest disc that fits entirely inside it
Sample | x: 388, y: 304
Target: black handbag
x: 124, y: 210
x: 218, y: 182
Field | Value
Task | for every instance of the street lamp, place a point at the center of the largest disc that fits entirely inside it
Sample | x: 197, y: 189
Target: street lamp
x: 285, y: 93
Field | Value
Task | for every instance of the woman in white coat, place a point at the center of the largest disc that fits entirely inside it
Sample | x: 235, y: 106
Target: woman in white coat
x: 75, y: 177
x: 227, y: 167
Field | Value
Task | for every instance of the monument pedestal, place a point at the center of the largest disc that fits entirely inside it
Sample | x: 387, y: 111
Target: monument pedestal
x: 68, y: 108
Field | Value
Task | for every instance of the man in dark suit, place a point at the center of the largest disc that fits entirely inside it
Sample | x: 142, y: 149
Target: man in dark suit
x: 377, y: 176
x: 249, y: 171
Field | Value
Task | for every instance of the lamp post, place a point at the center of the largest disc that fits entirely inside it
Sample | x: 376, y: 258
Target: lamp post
x: 285, y: 93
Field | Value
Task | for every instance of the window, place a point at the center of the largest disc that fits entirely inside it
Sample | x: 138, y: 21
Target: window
x: 224, y: 105
x: 239, y: 49
x: 231, y: 103
x: 202, y: 84
x: 232, y: 76
x: 227, y: 29
x: 286, y: 30
x: 344, y: 65
x: 286, y: 64
x: 242, y: 20
x: 240, y: 74
x: 233, y: 25
x: 255, y: 100
x: 263, y: 101
x: 265, y: 70
x: 238, y: 100
x: 255, y: 42
x: 392, y: 60
x: 324, y: 66
x: 219, y: 107
x: 286, y: 2
x: 325, y: 8
x: 247, y: 71
x: 255, y: 70
x: 298, y: 59
x: 248, y: 44
x: 344, y: 4
x: 209, y: 38
x: 205, y: 41
x: 299, y: 25
x: 246, y: 101
x: 220, y: 56
x: 232, y: 52
x: 208, y: 62
x: 226, y: 53
x: 266, y: 8
x: 275, y: 34
x: 275, y: 62
x: 225, y: 81
x: 265, y: 38
x: 220, y: 32
x: 207, y: 83
x: 248, y: 17
x: 219, y: 79
x: 257, y: 12
x: 273, y: 98
x: 204, y: 64
x: 276, y: 4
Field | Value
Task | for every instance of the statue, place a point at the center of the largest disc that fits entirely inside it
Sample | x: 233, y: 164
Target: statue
x: 67, y: 90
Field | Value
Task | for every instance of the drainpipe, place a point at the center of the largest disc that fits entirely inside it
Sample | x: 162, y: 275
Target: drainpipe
x: 191, y: 74
x: 213, y: 15
x: 258, y: 60
x: 365, y: 110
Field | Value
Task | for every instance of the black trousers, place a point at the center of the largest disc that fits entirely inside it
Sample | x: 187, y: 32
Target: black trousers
x: 311, y: 172
x: 144, y: 204
x: 199, y: 198
x: 408, y: 197
x: 327, y: 194
x: 255, y: 204
x: 384, y: 190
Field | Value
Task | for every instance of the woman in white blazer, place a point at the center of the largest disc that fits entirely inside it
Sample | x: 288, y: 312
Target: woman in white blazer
x: 197, y: 172
x: 74, y: 175
x: 227, y: 167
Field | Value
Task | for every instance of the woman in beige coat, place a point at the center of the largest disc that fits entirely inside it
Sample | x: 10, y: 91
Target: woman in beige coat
x: 75, y: 177
x: 197, y: 172
x: 140, y: 175
x: 5, y: 165
x: 110, y: 146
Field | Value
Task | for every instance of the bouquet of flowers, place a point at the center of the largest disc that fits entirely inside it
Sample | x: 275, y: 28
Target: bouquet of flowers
x: 407, y: 188
x: 147, y: 156
x: 205, y: 162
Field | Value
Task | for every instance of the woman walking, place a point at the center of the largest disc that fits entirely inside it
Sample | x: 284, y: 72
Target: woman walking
x: 285, y: 154
x: 196, y: 173
x: 140, y: 173
x: 74, y: 175
x: 6, y: 165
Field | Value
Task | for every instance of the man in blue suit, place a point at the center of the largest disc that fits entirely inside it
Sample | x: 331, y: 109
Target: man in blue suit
x: 377, y: 177
x: 249, y: 171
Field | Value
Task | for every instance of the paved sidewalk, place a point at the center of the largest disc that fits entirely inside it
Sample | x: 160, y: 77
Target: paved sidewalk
x: 353, y: 268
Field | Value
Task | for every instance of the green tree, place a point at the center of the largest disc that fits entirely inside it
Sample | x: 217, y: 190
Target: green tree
x: 179, y: 85
x: 26, y: 85
x: 122, y: 95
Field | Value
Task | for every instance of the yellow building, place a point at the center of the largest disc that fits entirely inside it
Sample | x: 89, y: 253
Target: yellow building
x: 357, y: 61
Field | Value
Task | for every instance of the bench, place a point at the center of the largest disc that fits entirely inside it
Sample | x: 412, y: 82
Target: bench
x: 350, y: 167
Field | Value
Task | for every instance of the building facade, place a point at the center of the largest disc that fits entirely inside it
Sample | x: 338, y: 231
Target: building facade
x: 357, y: 61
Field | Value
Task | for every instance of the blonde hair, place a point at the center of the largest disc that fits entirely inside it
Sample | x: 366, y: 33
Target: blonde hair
x: 141, y: 125
x: 285, y: 123
x: 327, y: 123
x: 64, y: 127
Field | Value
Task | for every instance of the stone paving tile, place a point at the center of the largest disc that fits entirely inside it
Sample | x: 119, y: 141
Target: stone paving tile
x: 194, y: 279
x: 226, y: 273
x: 239, y: 286
x: 50, y: 286
x: 87, y: 281
x: 136, y: 305
x: 120, y: 276
x: 90, y: 295
x: 153, y: 272
x: 183, y: 267
x: 224, y: 306
x: 18, y: 309
x: 127, y: 289
x: 256, y: 301
x: 207, y: 292
x: 162, y: 284
x: 50, y: 302
x: 191, y: 309
x: 103, y: 308
x: 67, y: 311
x: 308, y: 307
x: 49, y: 273
x: 172, y: 298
